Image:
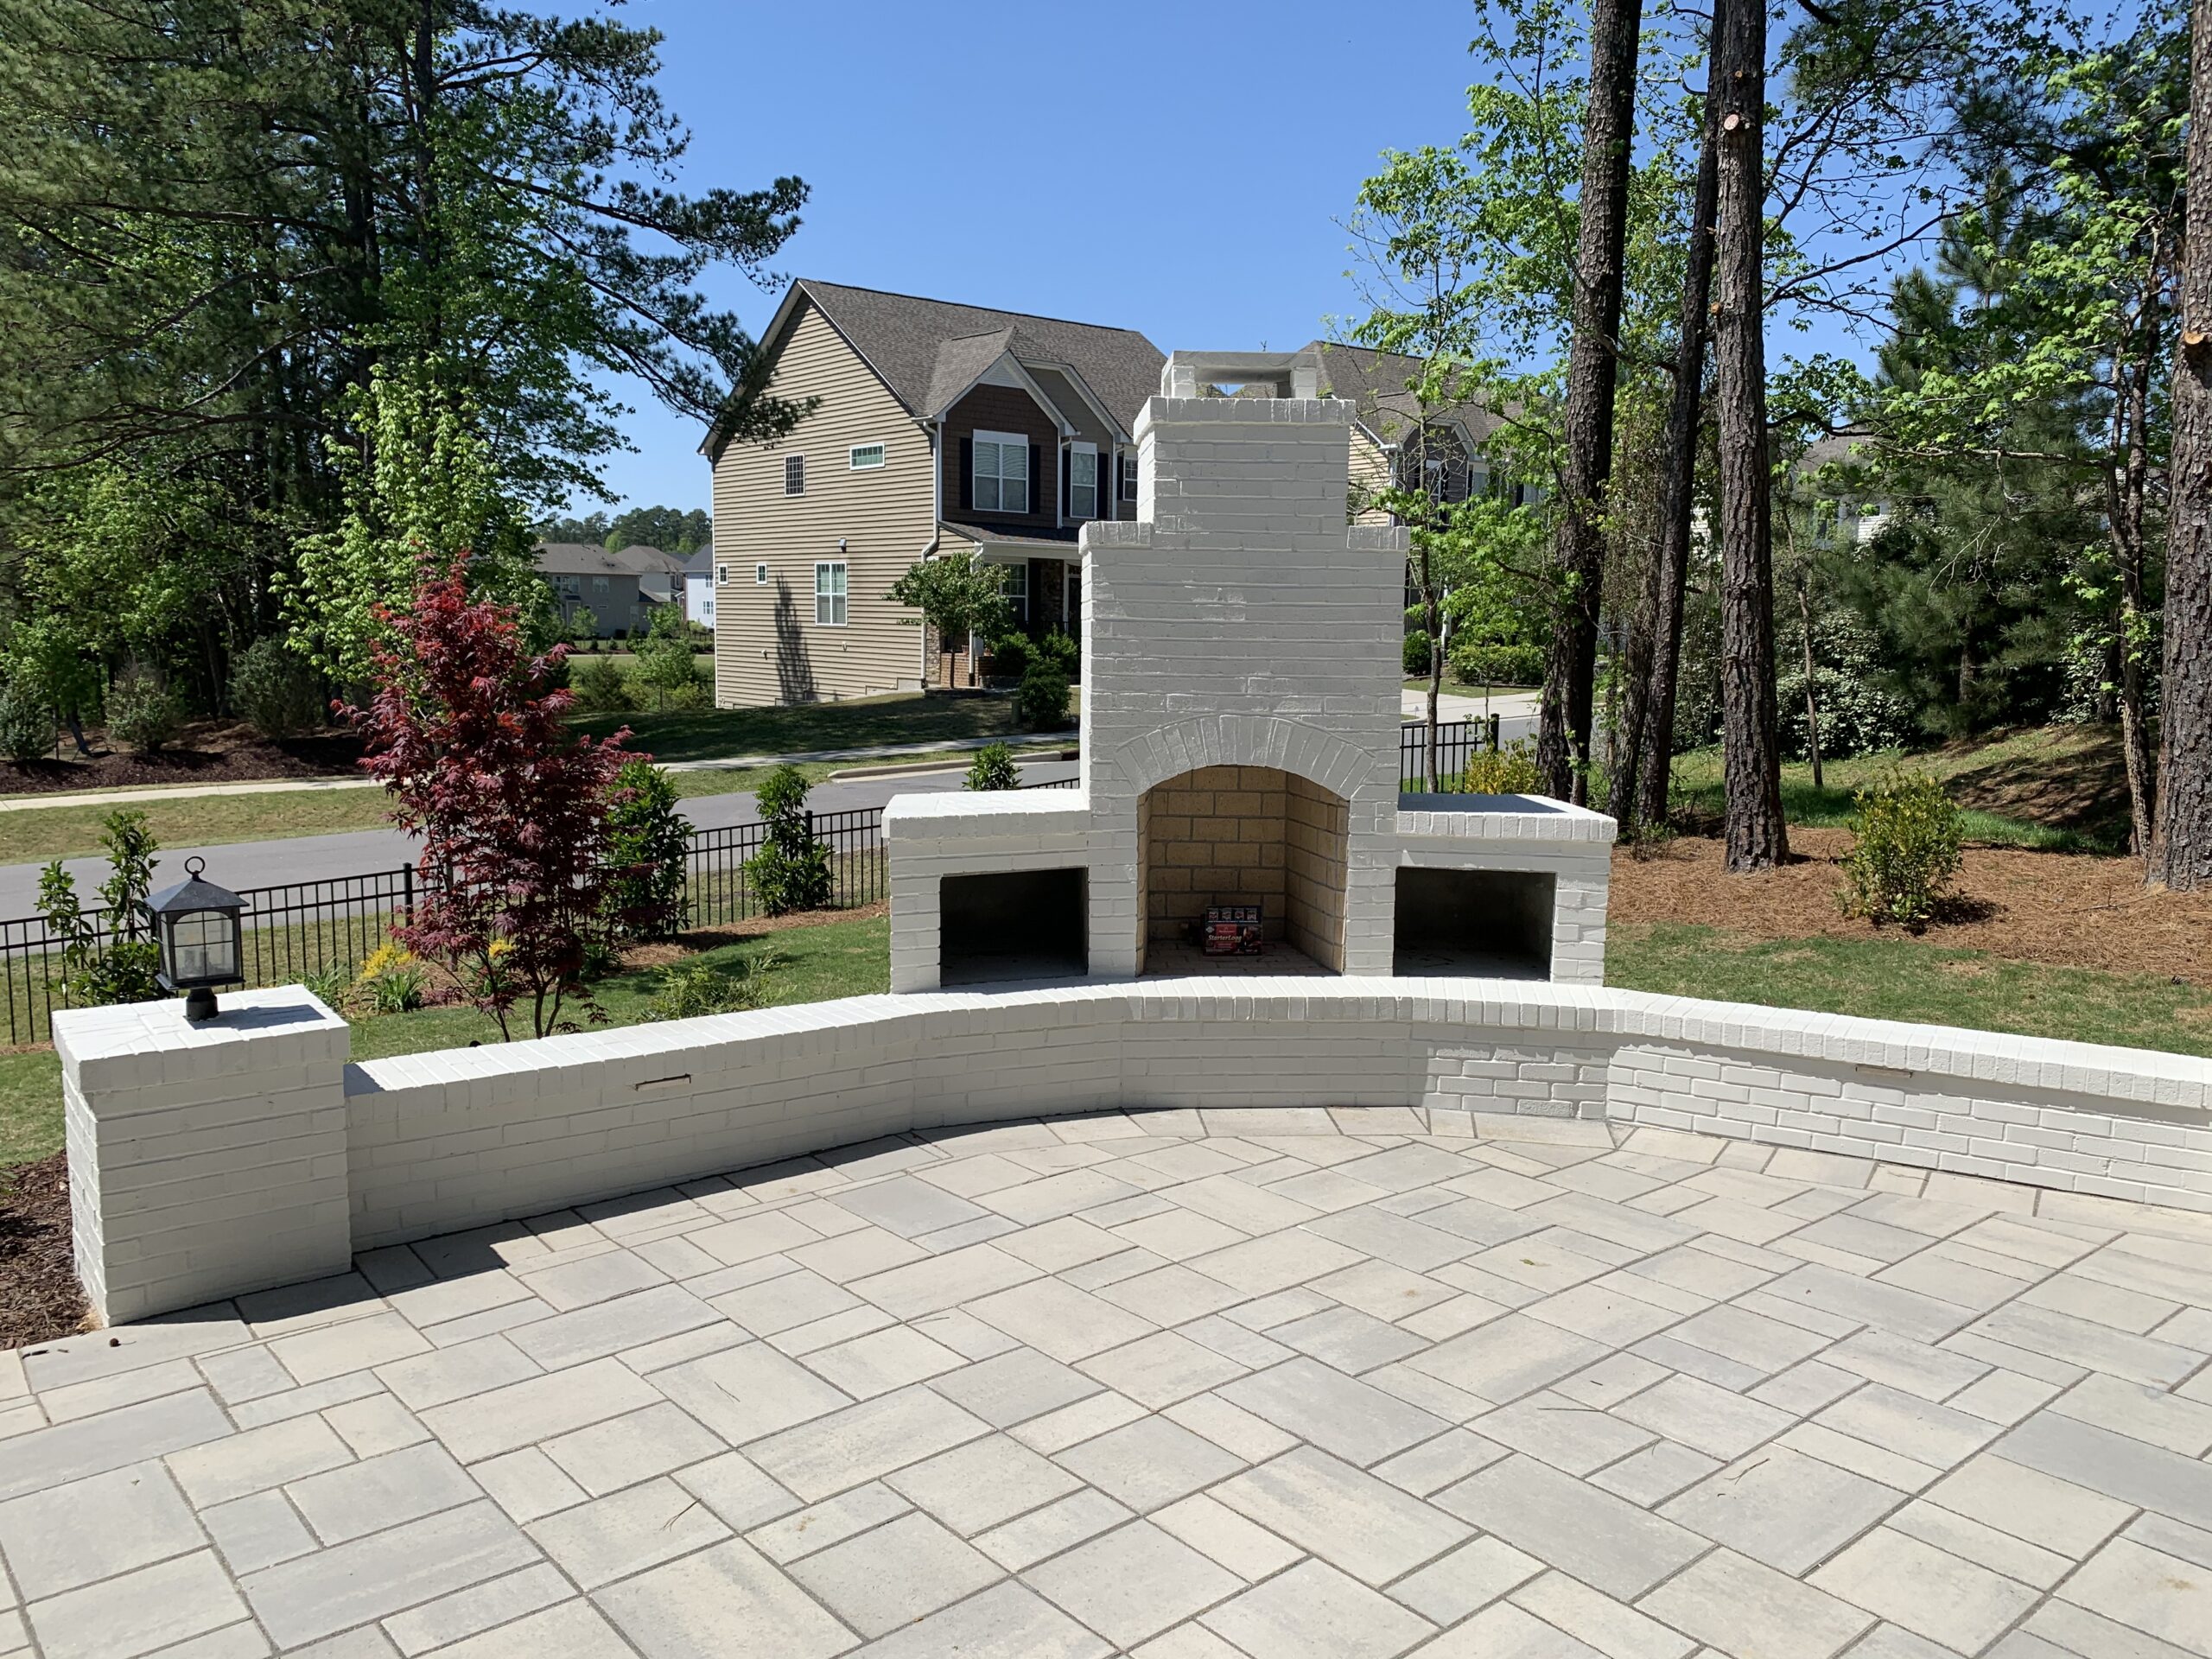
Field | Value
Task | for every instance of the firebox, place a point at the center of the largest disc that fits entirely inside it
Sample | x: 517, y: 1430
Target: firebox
x: 1012, y: 925
x: 1495, y: 924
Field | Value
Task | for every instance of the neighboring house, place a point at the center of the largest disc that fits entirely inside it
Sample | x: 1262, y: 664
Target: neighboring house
x: 1391, y: 442
x: 699, y: 588
x: 660, y: 575
x: 594, y: 587
x: 939, y: 429
x: 1839, y: 516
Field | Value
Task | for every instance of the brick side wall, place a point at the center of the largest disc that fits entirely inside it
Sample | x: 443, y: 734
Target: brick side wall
x: 1002, y: 408
x: 1314, y: 854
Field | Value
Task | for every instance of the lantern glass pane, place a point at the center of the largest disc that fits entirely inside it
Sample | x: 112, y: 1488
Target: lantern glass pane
x: 202, y: 947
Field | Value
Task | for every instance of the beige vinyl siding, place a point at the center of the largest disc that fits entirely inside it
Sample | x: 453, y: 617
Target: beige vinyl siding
x: 1370, y: 472
x: 768, y: 648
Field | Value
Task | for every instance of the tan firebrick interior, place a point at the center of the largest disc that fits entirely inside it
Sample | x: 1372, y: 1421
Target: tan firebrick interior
x: 1245, y: 835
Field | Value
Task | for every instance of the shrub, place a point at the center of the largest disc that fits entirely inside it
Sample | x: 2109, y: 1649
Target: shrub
x: 599, y: 686
x: 791, y: 871
x: 1010, y: 655
x: 275, y: 690
x: 1061, y: 652
x: 690, y: 989
x: 1905, y: 838
x: 329, y: 983
x: 1480, y: 665
x: 394, y: 979
x: 1041, y: 704
x: 664, y: 658
x: 1413, y: 655
x: 123, y: 966
x: 648, y: 846
x: 142, y: 714
x: 1509, y: 771
x: 26, y: 723
x: 993, y: 769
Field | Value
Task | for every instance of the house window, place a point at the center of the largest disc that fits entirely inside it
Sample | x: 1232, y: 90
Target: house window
x: 571, y: 584
x: 794, y: 474
x: 829, y: 594
x: 598, y: 584
x: 1015, y: 585
x: 1002, y: 472
x: 721, y: 576
x: 1083, y: 481
x: 1128, y: 478
x: 865, y: 457
x: 760, y: 575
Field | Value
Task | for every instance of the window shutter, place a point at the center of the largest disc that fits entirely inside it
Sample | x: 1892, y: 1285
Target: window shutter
x: 1067, y: 480
x: 1036, y: 471
x: 968, y: 473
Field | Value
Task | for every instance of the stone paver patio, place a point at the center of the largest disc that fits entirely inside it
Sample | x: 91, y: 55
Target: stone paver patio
x: 1191, y: 1386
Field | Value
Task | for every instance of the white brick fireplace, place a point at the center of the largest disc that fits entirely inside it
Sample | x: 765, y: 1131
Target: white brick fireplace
x: 1240, y: 745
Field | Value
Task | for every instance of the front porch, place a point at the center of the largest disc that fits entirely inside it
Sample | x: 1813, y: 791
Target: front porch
x: 1044, y: 571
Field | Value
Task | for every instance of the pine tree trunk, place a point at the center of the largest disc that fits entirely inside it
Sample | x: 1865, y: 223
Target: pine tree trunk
x: 1592, y: 374
x: 2128, y: 475
x: 1648, y: 740
x: 1755, y: 837
x: 2180, y: 841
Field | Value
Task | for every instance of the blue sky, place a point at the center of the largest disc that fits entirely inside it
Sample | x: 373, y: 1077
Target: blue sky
x: 1177, y: 168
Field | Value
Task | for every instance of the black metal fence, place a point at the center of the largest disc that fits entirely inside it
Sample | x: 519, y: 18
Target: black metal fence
x: 1457, y: 740
x: 304, y: 929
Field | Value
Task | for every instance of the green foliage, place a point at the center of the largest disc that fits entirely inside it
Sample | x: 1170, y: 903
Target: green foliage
x: 1904, y: 852
x: 1413, y: 656
x: 599, y: 685
x: 1509, y: 771
x: 1010, y: 655
x: 275, y: 692
x: 993, y: 769
x: 1475, y: 663
x: 663, y: 663
x: 1041, y: 704
x: 792, y: 870
x: 26, y: 721
x: 144, y: 714
x: 108, y: 956
x: 329, y: 984
x: 1858, y: 713
x: 393, y: 980
x: 1061, y: 651
x: 420, y: 481
x: 690, y: 991
x: 957, y: 596
x: 649, y: 842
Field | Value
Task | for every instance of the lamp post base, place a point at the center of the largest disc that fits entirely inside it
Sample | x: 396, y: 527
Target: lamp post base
x: 199, y: 1004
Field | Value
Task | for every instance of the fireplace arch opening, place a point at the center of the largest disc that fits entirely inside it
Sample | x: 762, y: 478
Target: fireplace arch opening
x: 1241, y: 835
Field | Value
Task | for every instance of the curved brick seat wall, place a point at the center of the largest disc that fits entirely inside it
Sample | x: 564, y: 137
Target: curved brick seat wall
x: 210, y: 1160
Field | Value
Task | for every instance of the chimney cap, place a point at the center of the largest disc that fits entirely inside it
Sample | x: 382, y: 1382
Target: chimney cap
x: 1287, y: 374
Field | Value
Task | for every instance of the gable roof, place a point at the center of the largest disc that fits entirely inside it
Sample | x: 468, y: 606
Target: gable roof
x: 928, y: 351
x: 579, y: 559
x: 700, y: 563
x: 1376, y: 383
x: 648, y: 561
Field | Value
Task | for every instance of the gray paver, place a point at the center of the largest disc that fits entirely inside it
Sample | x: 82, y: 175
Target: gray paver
x: 332, y: 1589
x: 1201, y: 1398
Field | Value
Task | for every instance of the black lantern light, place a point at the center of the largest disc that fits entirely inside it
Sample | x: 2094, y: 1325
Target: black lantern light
x: 196, y: 925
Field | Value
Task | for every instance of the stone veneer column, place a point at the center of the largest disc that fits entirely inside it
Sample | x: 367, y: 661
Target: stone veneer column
x: 204, y: 1160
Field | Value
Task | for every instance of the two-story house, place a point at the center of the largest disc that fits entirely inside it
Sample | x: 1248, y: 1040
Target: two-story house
x: 936, y: 429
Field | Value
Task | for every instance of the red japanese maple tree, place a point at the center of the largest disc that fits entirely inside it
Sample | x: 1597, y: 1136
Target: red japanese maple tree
x: 465, y: 730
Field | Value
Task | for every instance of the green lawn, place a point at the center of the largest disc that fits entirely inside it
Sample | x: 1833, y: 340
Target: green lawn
x: 1902, y: 979
x: 909, y: 717
x: 2046, y: 788
x: 831, y: 959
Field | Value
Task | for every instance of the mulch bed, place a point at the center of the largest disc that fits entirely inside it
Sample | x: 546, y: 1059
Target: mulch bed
x: 207, y: 752
x: 39, y: 1296
x: 2066, y: 909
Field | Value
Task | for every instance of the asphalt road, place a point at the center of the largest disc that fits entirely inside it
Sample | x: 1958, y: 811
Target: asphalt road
x: 361, y: 852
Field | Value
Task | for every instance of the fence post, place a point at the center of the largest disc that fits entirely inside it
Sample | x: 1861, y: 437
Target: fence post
x: 407, y: 893
x: 1494, y: 723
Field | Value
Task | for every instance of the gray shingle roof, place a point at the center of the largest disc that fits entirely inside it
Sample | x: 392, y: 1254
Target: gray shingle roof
x: 907, y: 339
x: 579, y: 559
x: 1377, y: 381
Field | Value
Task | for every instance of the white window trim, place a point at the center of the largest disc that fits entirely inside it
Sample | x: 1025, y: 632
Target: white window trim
x: 1075, y: 513
x: 802, y: 474
x: 853, y: 463
x: 760, y: 575
x: 1018, y: 441
x: 721, y: 576
x: 837, y: 596
x: 1017, y: 597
